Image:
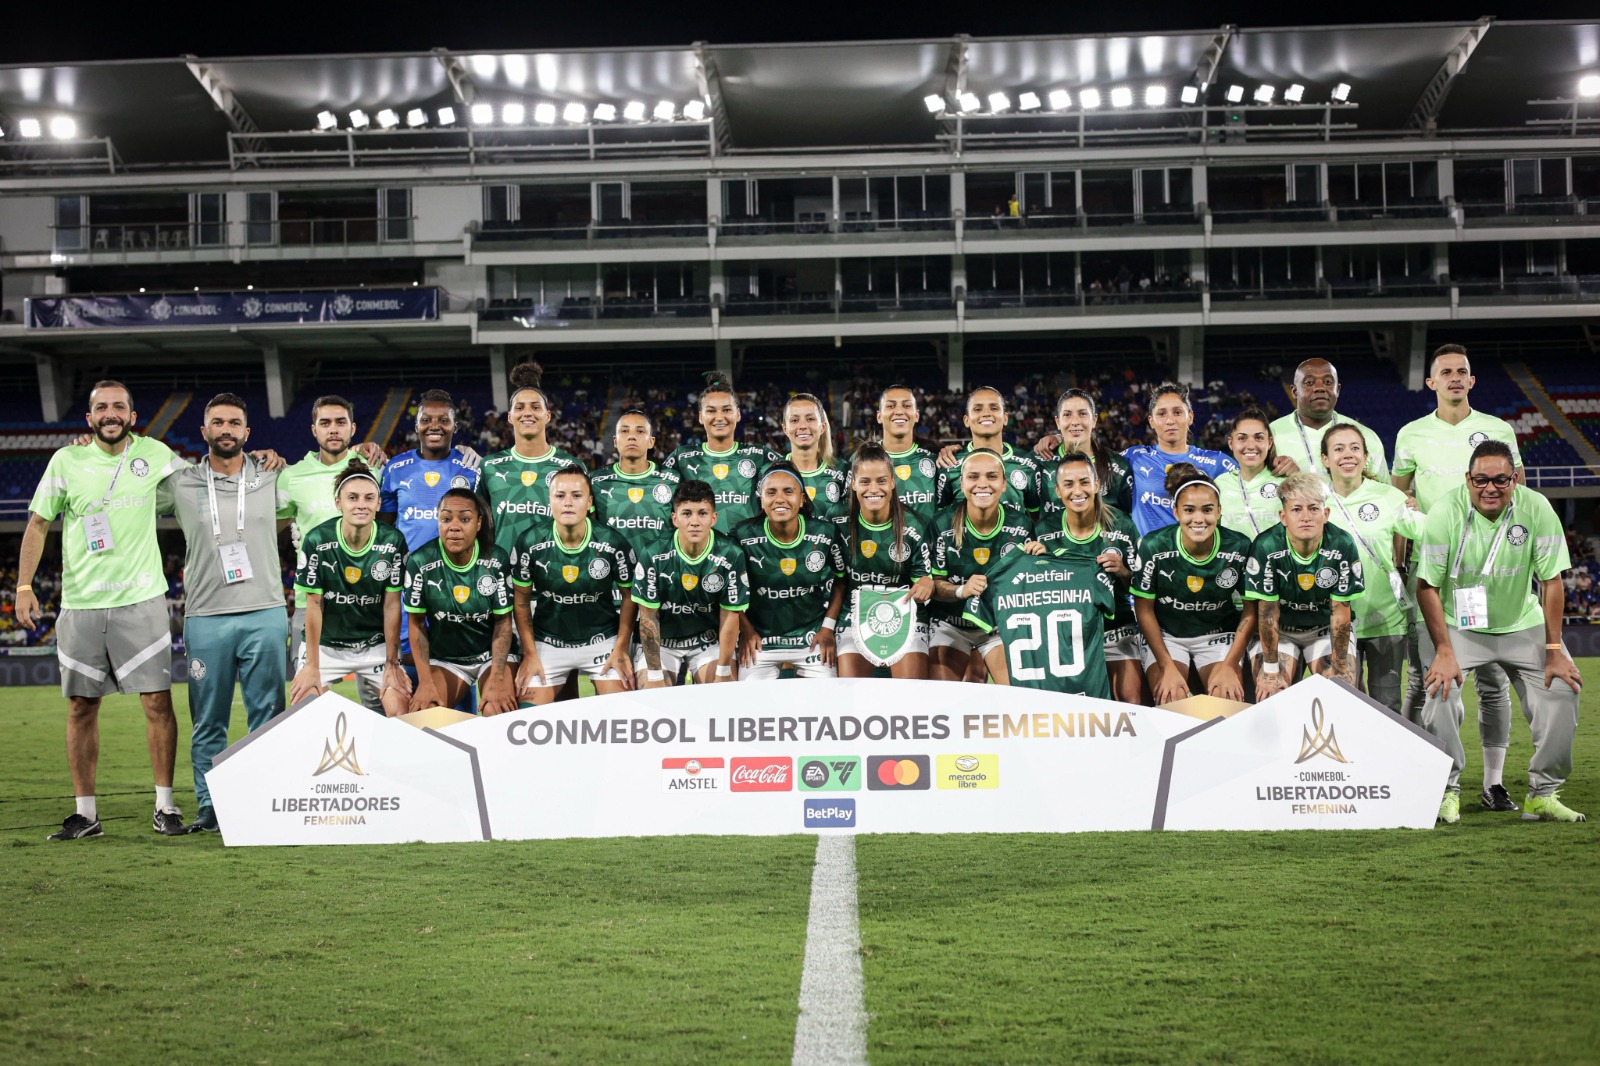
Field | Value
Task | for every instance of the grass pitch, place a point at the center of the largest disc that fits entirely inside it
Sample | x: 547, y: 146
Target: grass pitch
x: 1476, y: 943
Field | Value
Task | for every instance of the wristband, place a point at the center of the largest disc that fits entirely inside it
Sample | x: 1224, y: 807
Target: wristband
x: 655, y: 675
x: 24, y: 588
x: 1547, y: 647
x: 830, y: 623
x: 1271, y: 668
x: 724, y: 669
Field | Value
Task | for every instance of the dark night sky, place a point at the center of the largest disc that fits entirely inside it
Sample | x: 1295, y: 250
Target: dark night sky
x: 37, y: 32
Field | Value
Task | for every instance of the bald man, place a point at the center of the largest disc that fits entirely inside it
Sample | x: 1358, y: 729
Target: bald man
x: 1298, y: 435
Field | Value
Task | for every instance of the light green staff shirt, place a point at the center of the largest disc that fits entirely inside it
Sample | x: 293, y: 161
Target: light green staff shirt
x: 1534, y: 546
x: 1372, y: 514
x: 1250, y: 507
x: 1438, y: 453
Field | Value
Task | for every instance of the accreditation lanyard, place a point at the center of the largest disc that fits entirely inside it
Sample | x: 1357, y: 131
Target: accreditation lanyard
x: 1305, y: 441
x: 211, y: 491
x: 1472, y: 603
x: 1494, y: 547
x: 1397, y: 586
x: 234, y: 557
x: 1255, y: 526
x: 97, y: 534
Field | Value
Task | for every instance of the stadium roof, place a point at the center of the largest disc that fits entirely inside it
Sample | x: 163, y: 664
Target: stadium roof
x: 859, y: 94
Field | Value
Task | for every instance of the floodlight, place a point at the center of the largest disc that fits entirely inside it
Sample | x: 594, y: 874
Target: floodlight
x: 63, y: 127
x: 1589, y: 85
x: 969, y: 102
x: 999, y: 102
x: 1265, y: 93
x: 1189, y: 94
x: 358, y: 119
x: 665, y: 110
x: 1235, y: 93
x: 1089, y: 99
x: 416, y: 117
x: 544, y: 114
x: 634, y: 111
x: 605, y: 112
x: 29, y: 128
x: 575, y: 113
x: 1294, y: 93
x: 482, y: 114
x: 513, y: 114
x: 1122, y: 96
x: 388, y: 119
x: 1341, y: 92
x: 326, y: 120
x: 1060, y: 100
x: 1155, y: 96
x: 447, y: 116
x: 934, y: 103
x: 694, y: 110
x: 1028, y: 102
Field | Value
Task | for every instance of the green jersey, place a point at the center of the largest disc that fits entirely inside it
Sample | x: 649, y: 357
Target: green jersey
x: 829, y: 490
x: 1528, y: 544
x: 352, y: 583
x: 516, y: 490
x: 873, y: 560
x: 1305, y: 587
x: 1302, y: 443
x: 305, y: 497
x: 573, y: 598
x: 639, y: 506
x: 1250, y: 507
x: 690, y: 594
x: 1050, y: 612
x: 1116, y: 488
x: 916, y: 477
x: 1373, y: 514
x: 1116, y: 533
x: 1438, y: 453
x: 1024, y: 492
x: 731, y: 474
x: 107, y: 503
x: 790, y: 582
x: 461, y: 602
x: 978, y: 553
x: 1194, y: 597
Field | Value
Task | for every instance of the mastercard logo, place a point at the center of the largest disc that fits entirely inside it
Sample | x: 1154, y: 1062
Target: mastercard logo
x: 897, y: 773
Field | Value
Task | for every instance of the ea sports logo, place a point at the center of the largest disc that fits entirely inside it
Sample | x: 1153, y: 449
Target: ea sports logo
x: 1517, y: 535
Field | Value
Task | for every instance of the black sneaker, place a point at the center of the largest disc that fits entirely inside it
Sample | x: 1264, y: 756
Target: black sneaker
x: 205, y: 821
x: 1496, y: 798
x: 168, y: 823
x: 76, y: 827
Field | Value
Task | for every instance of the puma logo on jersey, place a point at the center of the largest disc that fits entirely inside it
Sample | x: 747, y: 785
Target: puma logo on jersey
x: 436, y: 585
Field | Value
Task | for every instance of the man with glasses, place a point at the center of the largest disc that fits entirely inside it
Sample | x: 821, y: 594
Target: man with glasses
x: 1483, y: 546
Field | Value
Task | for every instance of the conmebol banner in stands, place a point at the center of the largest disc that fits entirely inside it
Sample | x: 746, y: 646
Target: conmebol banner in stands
x: 232, y: 308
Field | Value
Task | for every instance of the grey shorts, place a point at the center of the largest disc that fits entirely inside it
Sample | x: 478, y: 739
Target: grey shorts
x: 115, y: 649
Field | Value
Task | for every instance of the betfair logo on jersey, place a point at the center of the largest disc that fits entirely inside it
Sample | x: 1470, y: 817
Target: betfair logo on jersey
x: 980, y: 556
x: 720, y: 471
x: 1195, y: 583
x: 461, y: 592
x: 869, y: 548
x: 787, y: 566
x: 529, y: 477
x: 903, y: 471
x: 1305, y: 581
x: 569, y: 574
x: 352, y: 574
x: 635, y: 495
x: 690, y: 581
x: 431, y: 478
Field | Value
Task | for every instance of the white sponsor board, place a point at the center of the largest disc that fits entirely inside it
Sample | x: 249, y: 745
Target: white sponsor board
x: 332, y: 772
x: 877, y: 756
x: 1318, y: 755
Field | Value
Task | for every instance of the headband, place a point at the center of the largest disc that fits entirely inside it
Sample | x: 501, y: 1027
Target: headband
x: 1190, y: 484
x: 351, y: 477
x: 761, y: 483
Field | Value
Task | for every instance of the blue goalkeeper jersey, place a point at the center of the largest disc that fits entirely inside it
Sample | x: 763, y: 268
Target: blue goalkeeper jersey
x: 1152, y: 507
x: 412, y: 488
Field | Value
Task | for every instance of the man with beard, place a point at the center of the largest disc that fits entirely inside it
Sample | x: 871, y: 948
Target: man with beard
x: 234, y: 623
x: 1298, y: 434
x: 112, y: 633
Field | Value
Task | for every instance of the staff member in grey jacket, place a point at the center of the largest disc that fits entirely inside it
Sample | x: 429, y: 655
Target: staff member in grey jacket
x: 235, y: 623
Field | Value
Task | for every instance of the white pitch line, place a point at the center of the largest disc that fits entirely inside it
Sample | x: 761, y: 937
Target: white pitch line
x: 832, y: 1028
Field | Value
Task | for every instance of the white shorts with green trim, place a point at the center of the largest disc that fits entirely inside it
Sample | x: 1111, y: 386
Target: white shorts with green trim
x: 335, y: 663
x: 471, y: 673
x: 589, y: 660
x: 673, y: 660
x: 1124, y: 644
x: 769, y: 661
x: 1204, y: 650
x: 967, y: 640
x: 1305, y: 645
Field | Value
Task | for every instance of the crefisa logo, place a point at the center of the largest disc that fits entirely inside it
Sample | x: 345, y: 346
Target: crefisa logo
x: 701, y: 775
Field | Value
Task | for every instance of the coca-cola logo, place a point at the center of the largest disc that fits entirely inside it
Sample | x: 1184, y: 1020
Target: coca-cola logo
x: 762, y: 774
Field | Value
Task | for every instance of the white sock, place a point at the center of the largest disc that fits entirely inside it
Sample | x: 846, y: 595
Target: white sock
x: 86, y: 807
x: 164, y: 798
x: 1494, y: 766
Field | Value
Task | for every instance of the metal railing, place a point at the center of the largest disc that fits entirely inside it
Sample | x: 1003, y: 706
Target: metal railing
x: 130, y: 237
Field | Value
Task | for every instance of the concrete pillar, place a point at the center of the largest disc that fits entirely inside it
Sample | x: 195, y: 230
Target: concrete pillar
x: 55, y: 388
x: 955, y: 361
x: 1191, y: 355
x: 1441, y: 260
x: 1200, y: 190
x: 1447, y: 179
x: 497, y: 377
x: 1415, y: 369
x: 280, y: 380
x: 725, y: 356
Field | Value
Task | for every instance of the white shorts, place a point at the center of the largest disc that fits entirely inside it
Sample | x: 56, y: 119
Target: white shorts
x: 337, y: 662
x: 806, y: 663
x: 589, y: 660
x: 918, y: 643
x: 673, y: 659
x: 1125, y: 644
x: 472, y: 674
x: 947, y: 634
x: 1204, y: 650
x: 1305, y: 645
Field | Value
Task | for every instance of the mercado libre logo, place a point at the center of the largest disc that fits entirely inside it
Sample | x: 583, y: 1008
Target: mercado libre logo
x: 1320, y: 742
x: 339, y: 753
x: 898, y: 773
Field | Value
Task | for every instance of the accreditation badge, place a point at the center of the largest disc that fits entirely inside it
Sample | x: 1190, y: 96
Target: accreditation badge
x: 885, y: 621
x: 1472, y: 607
